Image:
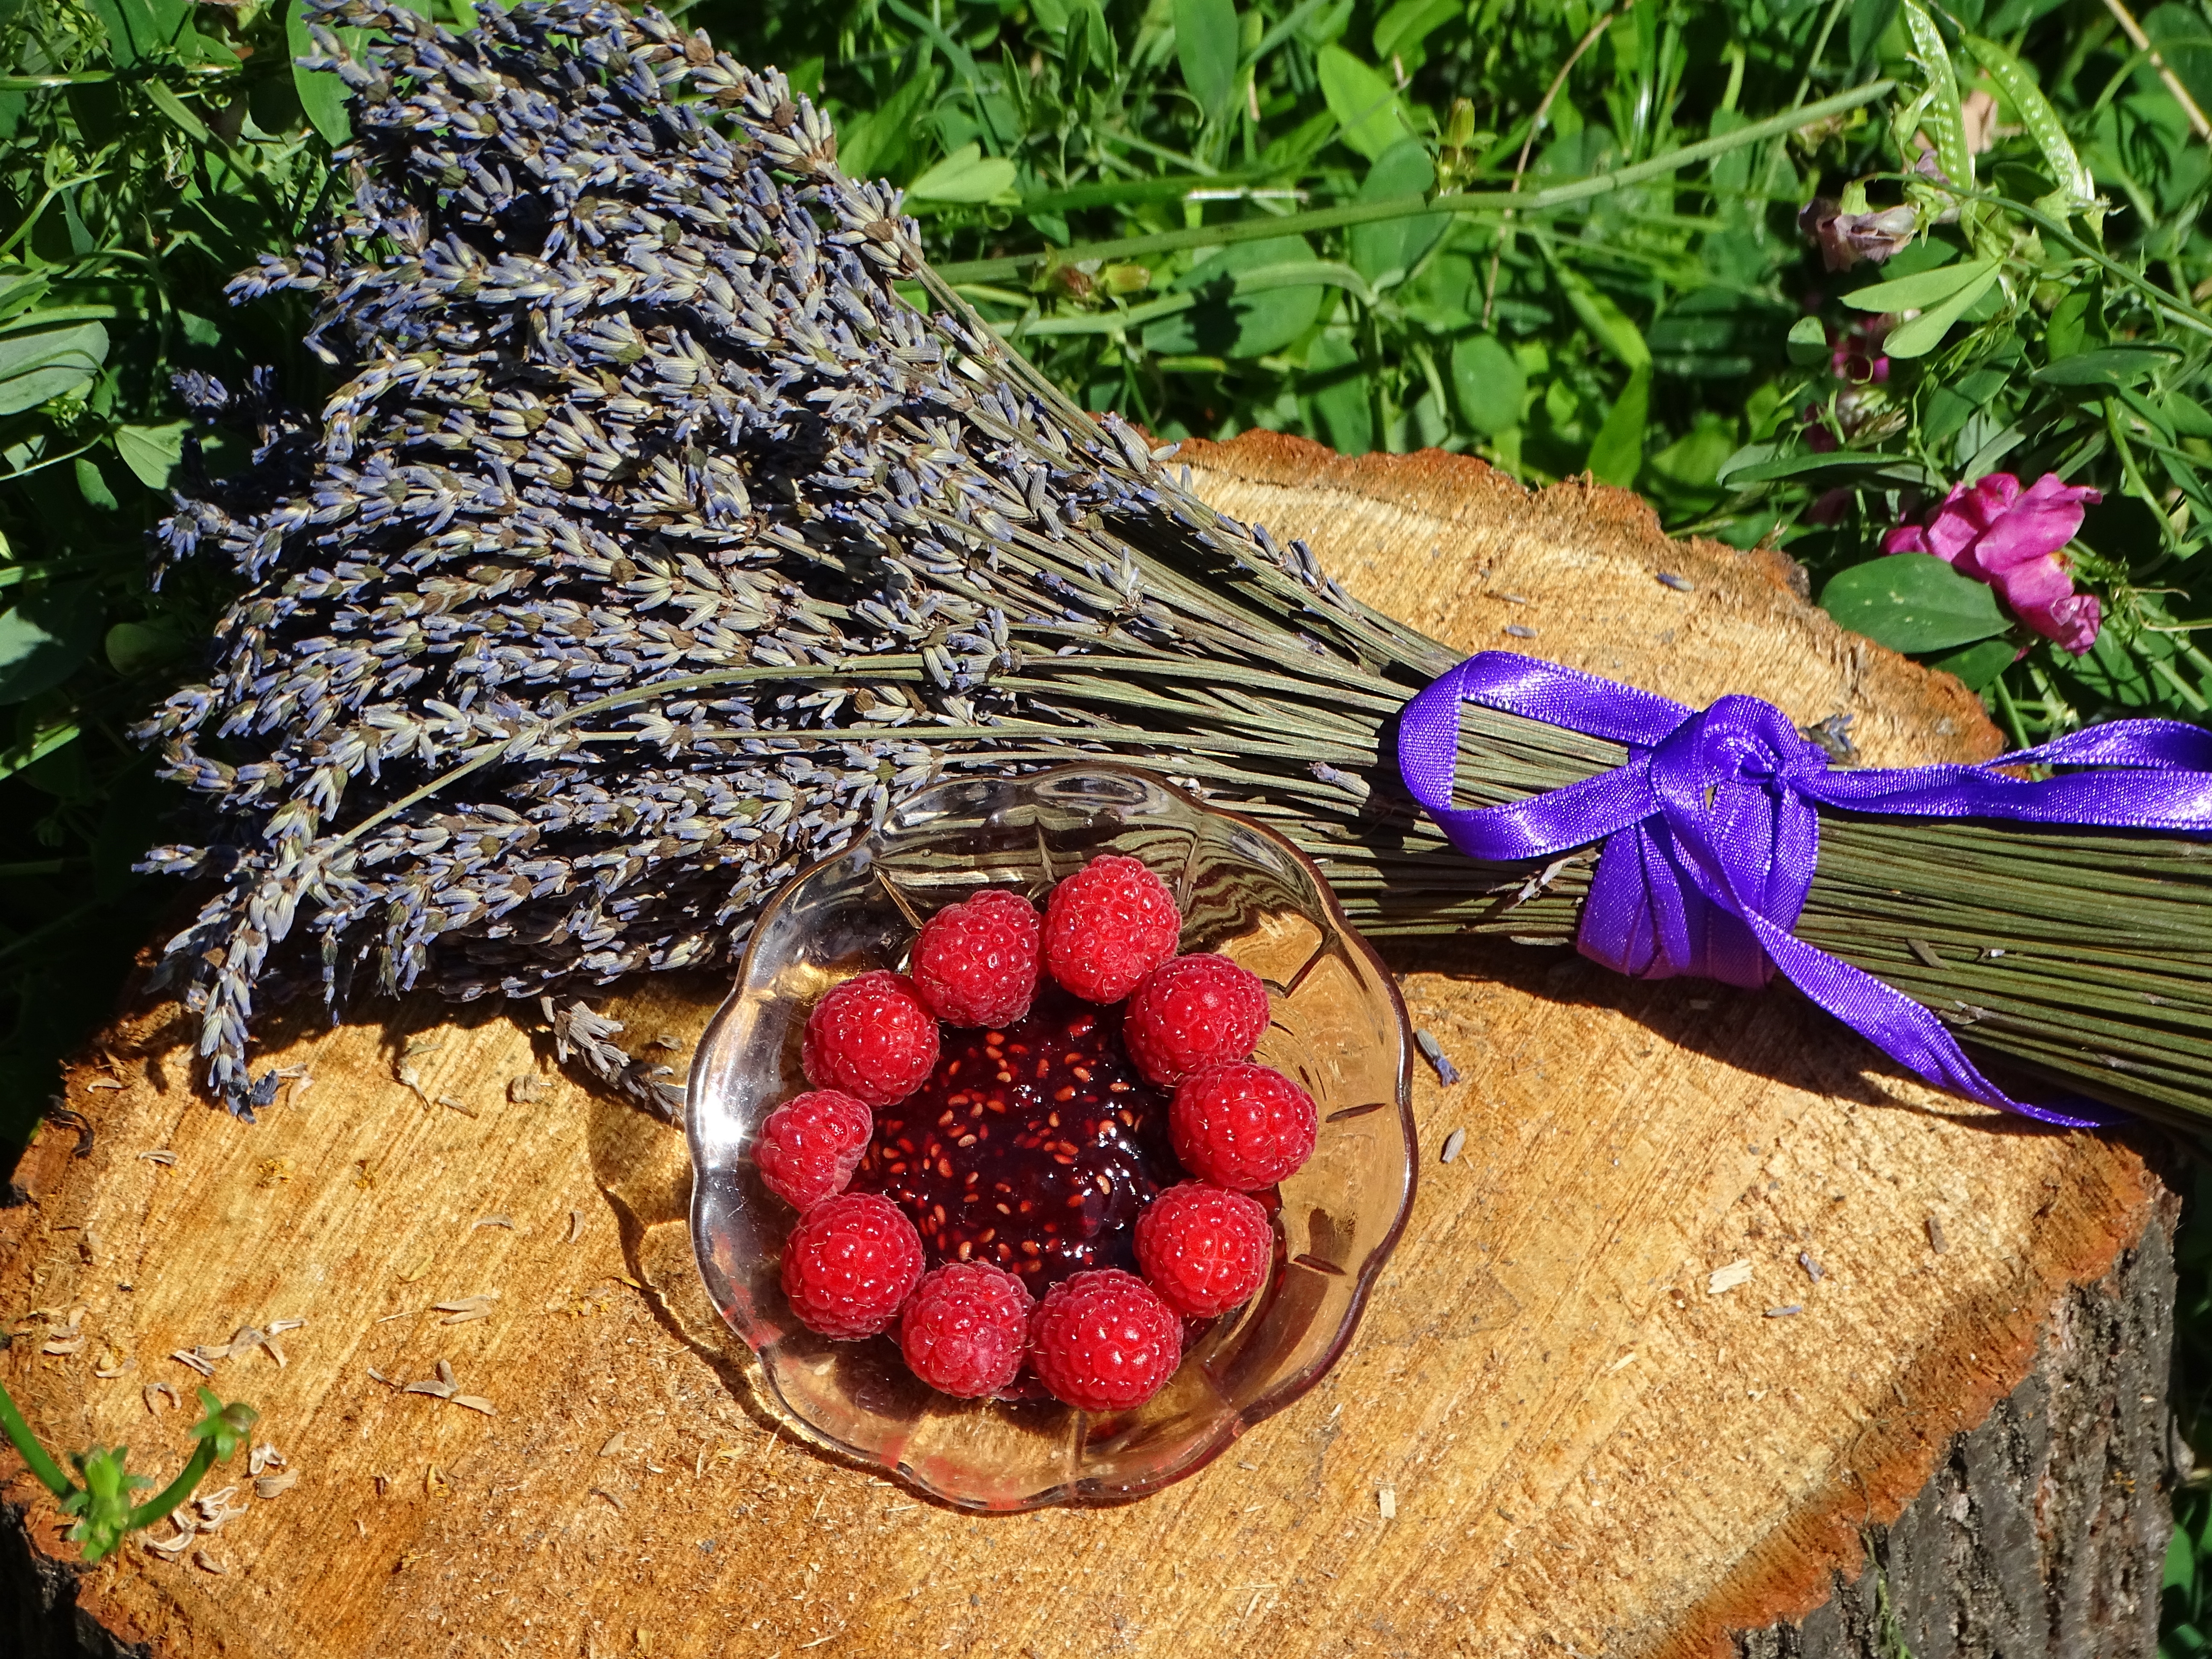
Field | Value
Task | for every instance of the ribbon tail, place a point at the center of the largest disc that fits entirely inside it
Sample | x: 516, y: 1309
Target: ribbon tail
x: 1633, y: 920
x: 1647, y: 916
x: 1902, y: 1028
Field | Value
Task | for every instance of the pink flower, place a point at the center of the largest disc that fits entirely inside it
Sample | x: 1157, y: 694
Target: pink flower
x: 2014, y: 539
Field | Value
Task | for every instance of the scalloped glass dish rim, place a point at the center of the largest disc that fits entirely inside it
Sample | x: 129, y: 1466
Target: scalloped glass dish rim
x: 1073, y: 1494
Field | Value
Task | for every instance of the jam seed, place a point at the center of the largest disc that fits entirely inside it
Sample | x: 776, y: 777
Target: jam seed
x: 1065, y: 1091
x: 965, y: 1140
x: 1082, y: 1072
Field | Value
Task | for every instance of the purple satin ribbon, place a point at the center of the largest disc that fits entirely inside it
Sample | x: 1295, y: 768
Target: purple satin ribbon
x: 1711, y: 834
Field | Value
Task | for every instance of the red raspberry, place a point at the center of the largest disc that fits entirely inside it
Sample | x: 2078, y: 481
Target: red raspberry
x: 1241, y: 1126
x: 850, y: 1264
x: 965, y: 1329
x: 1191, y: 1012
x: 810, y: 1144
x: 1108, y: 925
x: 976, y: 964
x: 1102, y: 1342
x: 1203, y: 1249
x: 872, y: 1037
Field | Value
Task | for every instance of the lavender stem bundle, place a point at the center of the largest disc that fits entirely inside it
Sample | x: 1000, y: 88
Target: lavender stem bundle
x: 652, y: 544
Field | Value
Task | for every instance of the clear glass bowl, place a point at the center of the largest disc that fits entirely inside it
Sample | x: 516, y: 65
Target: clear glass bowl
x: 1338, y: 1028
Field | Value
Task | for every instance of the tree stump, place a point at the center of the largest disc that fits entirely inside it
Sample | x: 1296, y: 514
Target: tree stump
x: 1719, y: 1336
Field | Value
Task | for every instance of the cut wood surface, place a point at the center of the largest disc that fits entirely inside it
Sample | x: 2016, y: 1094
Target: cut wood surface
x: 1710, y: 1291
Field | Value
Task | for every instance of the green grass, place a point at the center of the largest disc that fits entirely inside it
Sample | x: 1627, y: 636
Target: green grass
x: 1155, y: 198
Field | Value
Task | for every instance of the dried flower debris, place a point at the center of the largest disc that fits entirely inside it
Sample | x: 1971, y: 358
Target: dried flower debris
x: 443, y: 1386
x: 652, y: 545
x: 1724, y: 1279
x: 243, y: 1341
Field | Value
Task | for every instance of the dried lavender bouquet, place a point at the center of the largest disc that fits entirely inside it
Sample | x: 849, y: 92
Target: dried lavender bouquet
x: 653, y: 543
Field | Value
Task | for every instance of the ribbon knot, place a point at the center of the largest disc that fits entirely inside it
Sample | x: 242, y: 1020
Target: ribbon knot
x: 1710, y: 832
x: 1727, y: 831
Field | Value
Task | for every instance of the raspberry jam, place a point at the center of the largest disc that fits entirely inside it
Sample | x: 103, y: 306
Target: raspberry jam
x: 1033, y: 1148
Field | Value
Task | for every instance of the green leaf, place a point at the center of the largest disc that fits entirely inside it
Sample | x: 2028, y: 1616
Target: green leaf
x: 19, y: 290
x: 966, y: 175
x: 1912, y: 602
x: 1743, y: 460
x: 1488, y: 383
x: 1205, y: 48
x: 140, y: 29
x: 179, y: 113
x: 1616, y: 454
x: 2190, y: 419
x: 1688, y: 470
x: 876, y: 143
x: 1808, y: 342
x: 94, y: 487
x: 1230, y: 322
x: 1921, y: 336
x: 1395, y: 245
x: 1340, y: 394
x: 322, y: 94
x: 152, y: 452
x: 1869, y: 18
x: 1614, y: 329
x: 1402, y: 28
x: 2114, y: 366
x: 1922, y: 290
x: 48, y: 363
x: 1843, y: 467
x: 2077, y: 321
x: 132, y: 647
x: 1365, y: 105
x: 1978, y: 665
x: 43, y: 639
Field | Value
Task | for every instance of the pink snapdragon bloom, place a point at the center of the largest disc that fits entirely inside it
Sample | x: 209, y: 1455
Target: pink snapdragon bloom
x: 2014, y: 539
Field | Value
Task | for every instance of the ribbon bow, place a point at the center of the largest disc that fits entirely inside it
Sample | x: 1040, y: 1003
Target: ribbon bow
x: 1711, y: 834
